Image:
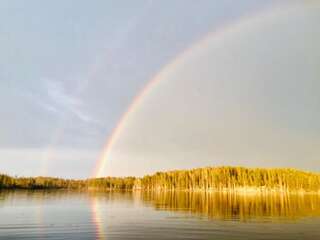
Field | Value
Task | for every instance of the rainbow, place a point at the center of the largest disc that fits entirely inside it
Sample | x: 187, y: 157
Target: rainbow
x: 217, y: 36
x: 98, y: 172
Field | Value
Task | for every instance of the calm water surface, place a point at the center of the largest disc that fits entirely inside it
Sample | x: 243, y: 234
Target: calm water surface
x: 81, y: 215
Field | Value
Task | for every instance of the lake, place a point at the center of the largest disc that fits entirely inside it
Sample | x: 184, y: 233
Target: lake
x: 157, y: 215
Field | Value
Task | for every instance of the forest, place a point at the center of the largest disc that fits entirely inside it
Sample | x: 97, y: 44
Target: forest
x: 200, y: 179
x: 108, y: 183
x: 224, y: 178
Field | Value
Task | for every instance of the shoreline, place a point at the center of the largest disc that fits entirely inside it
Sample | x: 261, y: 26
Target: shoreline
x: 235, y: 191
x: 239, y: 190
x: 208, y: 179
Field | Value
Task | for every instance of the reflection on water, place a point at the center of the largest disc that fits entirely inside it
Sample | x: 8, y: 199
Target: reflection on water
x: 157, y: 215
x: 224, y: 205
x: 97, y: 219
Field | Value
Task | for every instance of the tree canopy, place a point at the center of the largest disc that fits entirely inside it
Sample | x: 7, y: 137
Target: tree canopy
x: 206, y: 179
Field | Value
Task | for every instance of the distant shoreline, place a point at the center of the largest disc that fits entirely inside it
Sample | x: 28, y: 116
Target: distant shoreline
x: 242, y: 190
x: 246, y: 192
x: 209, y: 179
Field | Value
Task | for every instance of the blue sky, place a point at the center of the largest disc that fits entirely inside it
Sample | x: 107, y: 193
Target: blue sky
x: 69, y: 70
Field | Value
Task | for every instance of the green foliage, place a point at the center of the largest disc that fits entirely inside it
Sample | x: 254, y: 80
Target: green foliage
x: 36, y: 183
x: 210, y: 178
x: 219, y: 178
x: 109, y: 183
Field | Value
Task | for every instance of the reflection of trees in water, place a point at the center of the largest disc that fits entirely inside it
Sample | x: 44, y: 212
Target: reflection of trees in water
x: 224, y: 205
x: 219, y: 205
x: 35, y: 196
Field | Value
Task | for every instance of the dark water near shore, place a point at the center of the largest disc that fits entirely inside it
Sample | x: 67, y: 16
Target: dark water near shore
x: 150, y: 215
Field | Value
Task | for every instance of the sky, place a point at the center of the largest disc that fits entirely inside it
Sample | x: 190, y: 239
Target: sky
x: 70, y: 70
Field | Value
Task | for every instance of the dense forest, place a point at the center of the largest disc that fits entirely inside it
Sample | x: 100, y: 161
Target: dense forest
x: 203, y: 179
x: 108, y: 183
x: 224, y: 178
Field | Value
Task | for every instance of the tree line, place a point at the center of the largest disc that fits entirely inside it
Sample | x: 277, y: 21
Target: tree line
x: 206, y: 179
x: 220, y: 178
x: 108, y: 183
